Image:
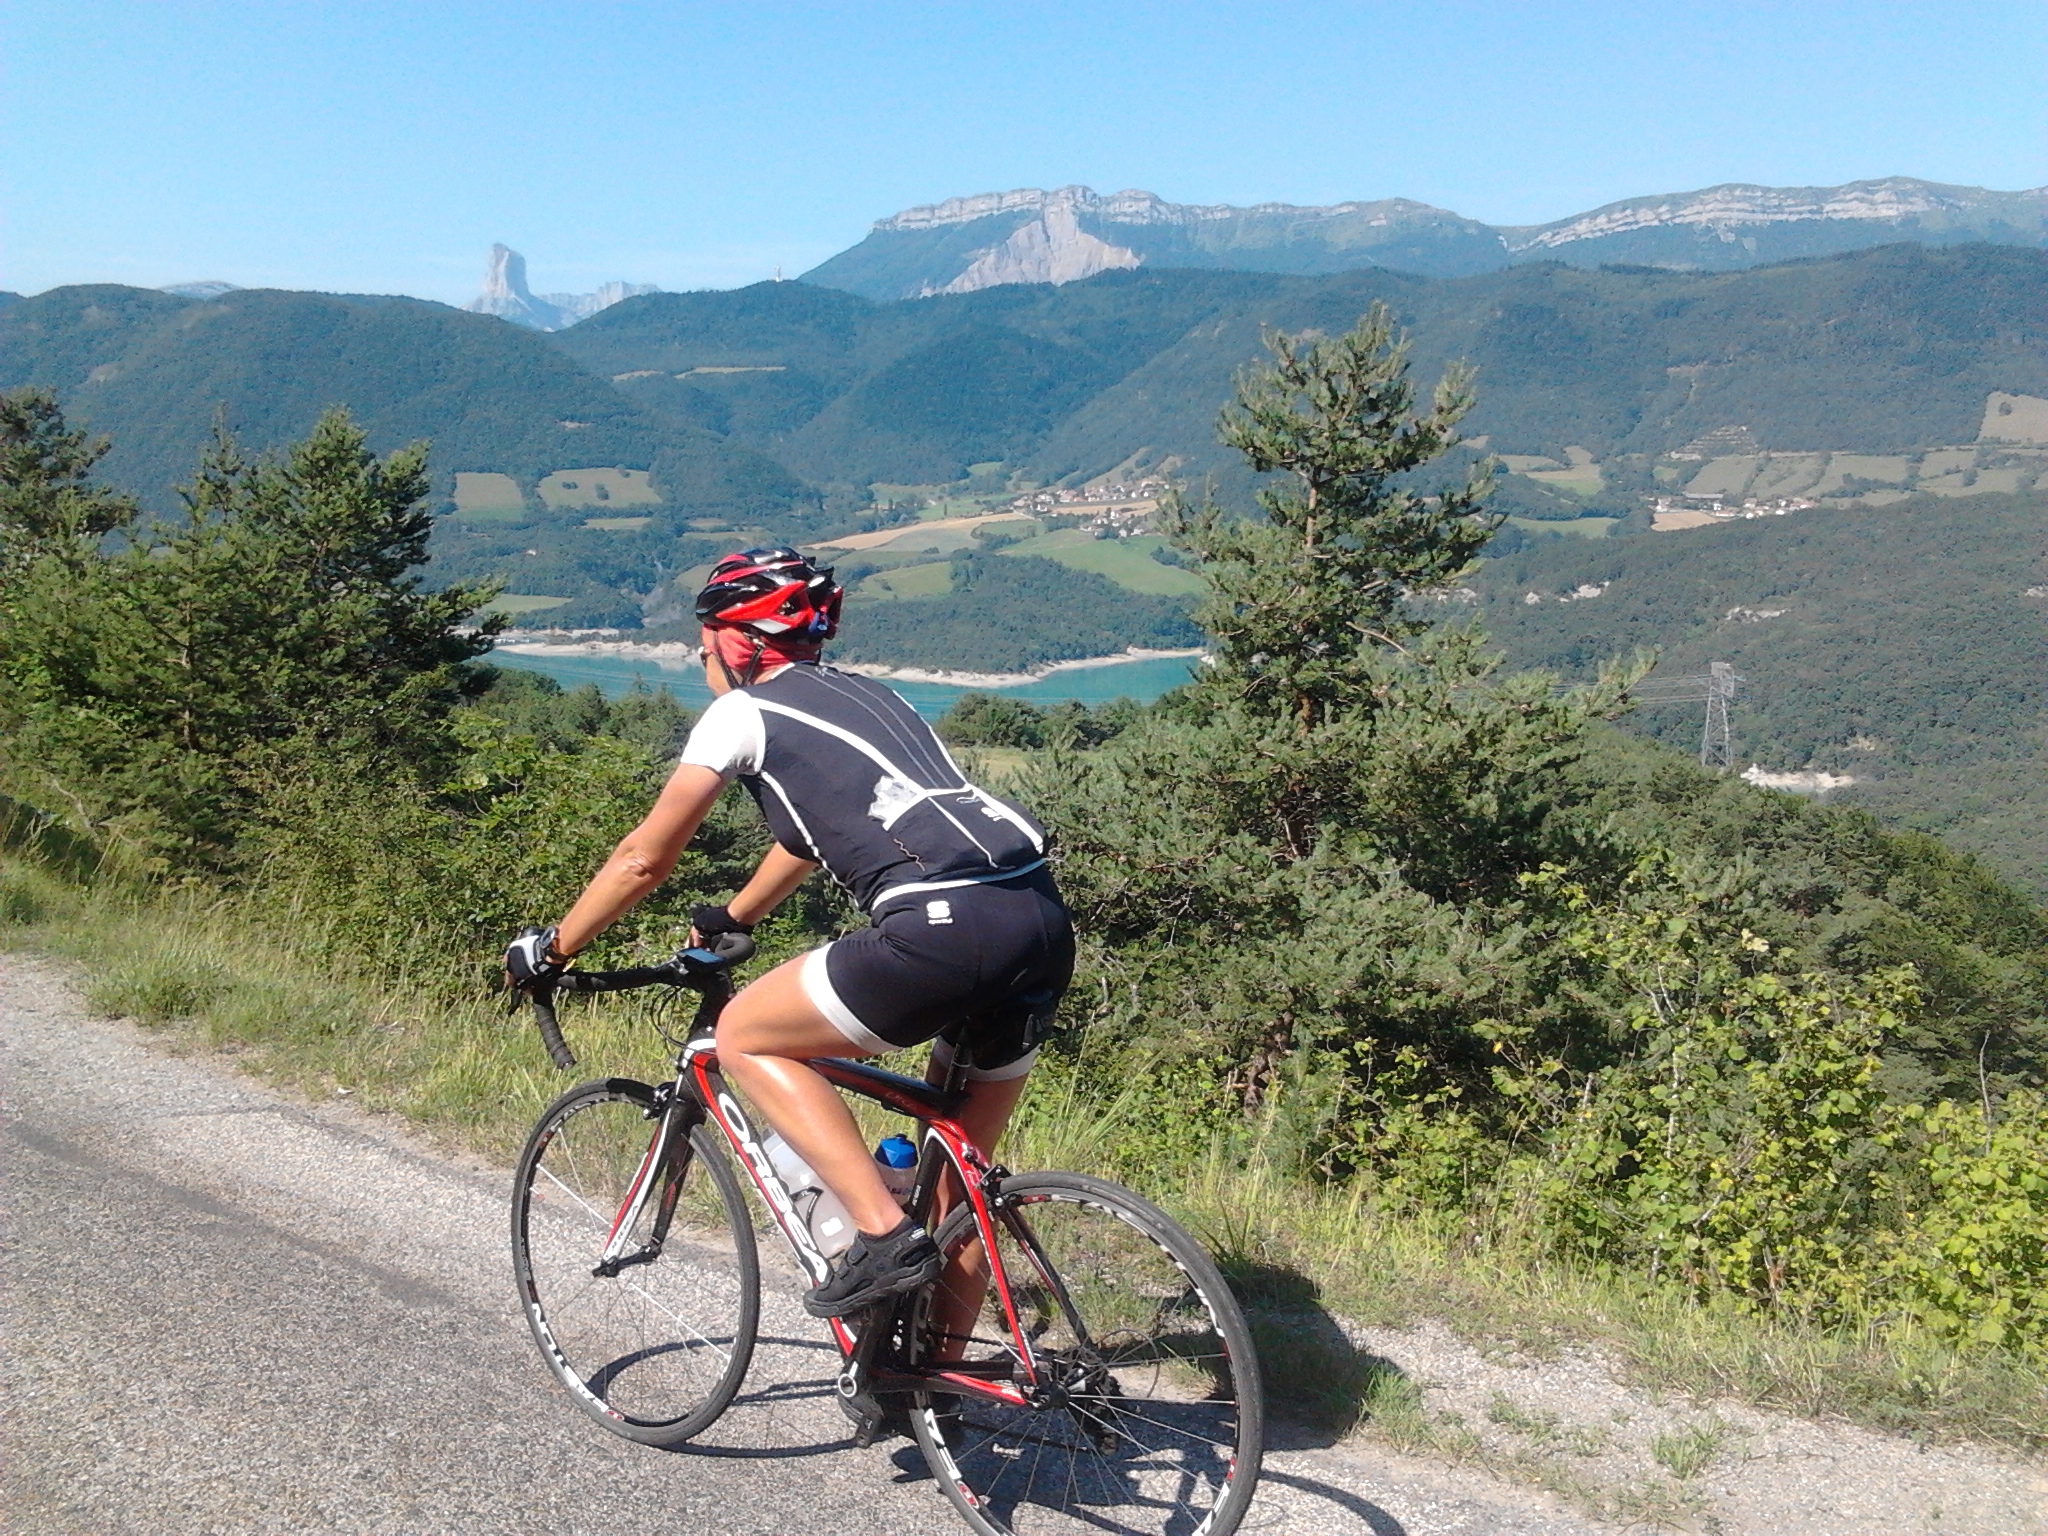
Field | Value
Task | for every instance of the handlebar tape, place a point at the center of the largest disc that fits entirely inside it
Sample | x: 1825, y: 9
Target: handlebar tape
x: 728, y: 949
x: 551, y: 1029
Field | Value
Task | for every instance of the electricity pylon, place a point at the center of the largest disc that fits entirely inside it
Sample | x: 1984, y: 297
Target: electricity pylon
x: 1715, y: 688
x: 1714, y: 746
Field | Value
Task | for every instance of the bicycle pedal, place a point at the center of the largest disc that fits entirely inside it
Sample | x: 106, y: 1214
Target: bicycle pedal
x: 873, y: 1420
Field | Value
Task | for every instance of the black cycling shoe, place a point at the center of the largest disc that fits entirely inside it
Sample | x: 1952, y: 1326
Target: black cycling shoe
x: 876, y: 1268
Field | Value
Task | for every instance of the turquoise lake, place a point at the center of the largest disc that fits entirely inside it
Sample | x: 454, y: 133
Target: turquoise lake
x: 1141, y: 680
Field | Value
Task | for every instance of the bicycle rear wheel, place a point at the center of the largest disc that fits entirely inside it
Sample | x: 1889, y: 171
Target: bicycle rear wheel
x: 1152, y: 1417
x: 654, y: 1343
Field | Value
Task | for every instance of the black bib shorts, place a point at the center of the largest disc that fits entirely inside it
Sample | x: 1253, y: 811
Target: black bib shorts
x: 980, y: 967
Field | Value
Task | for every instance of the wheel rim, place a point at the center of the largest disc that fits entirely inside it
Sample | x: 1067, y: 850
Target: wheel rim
x: 652, y: 1340
x: 1139, y: 1429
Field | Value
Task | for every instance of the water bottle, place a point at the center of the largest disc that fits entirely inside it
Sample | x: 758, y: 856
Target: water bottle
x: 897, y: 1156
x: 816, y: 1206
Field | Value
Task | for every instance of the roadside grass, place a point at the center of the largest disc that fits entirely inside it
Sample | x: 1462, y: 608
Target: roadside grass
x: 1307, y: 1260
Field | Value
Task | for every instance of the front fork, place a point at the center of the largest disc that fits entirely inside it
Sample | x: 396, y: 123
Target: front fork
x: 658, y: 1179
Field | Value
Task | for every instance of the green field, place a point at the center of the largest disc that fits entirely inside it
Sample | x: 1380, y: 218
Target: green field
x: 933, y: 579
x: 600, y: 487
x: 517, y: 603
x: 617, y: 524
x: 1584, y: 481
x: 963, y: 506
x: 1127, y: 562
x: 489, y: 498
x: 1578, y: 527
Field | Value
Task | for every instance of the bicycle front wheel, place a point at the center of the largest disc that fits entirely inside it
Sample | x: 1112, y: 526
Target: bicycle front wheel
x: 651, y: 1332
x: 1149, y: 1415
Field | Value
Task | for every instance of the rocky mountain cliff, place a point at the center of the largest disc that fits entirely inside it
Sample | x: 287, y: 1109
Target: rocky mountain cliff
x: 506, y: 295
x: 1057, y: 236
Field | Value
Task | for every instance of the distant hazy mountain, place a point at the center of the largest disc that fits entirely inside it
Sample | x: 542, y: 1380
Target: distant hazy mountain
x: 506, y: 295
x: 1033, y: 236
x: 208, y: 288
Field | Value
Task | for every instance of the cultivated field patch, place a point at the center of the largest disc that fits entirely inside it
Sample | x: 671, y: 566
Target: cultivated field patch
x: 488, y: 498
x: 599, y: 487
x: 1127, y: 562
x: 1727, y: 476
x: 942, y: 536
x: 932, y: 579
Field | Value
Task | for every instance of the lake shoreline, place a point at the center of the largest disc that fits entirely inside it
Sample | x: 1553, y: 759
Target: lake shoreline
x: 681, y: 655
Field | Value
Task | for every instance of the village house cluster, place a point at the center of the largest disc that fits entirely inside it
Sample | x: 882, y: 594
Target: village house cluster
x: 1122, y: 509
x: 1727, y: 508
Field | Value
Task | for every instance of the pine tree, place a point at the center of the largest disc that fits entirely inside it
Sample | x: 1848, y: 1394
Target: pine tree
x: 143, y: 677
x: 1301, y: 601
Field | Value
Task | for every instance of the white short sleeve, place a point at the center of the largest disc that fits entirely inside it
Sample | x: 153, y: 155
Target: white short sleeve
x: 729, y: 737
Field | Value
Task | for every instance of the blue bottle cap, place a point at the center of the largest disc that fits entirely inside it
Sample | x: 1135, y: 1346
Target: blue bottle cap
x: 896, y: 1152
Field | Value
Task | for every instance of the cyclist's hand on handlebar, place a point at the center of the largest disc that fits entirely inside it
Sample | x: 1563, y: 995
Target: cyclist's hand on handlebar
x: 707, y: 923
x: 532, y: 961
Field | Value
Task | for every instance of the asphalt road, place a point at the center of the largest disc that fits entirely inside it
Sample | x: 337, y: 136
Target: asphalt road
x: 225, y: 1310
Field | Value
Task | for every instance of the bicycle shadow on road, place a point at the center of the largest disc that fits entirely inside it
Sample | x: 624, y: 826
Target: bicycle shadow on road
x: 1320, y: 1385
x: 757, y: 1428
x: 1370, y: 1516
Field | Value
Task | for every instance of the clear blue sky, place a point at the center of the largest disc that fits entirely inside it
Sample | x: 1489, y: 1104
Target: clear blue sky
x: 375, y: 147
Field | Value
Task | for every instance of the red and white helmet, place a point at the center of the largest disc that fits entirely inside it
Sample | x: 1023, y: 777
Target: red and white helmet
x: 774, y: 593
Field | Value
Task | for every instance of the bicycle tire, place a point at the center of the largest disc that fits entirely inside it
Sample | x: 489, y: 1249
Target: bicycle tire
x: 655, y: 1350
x: 1162, y: 1424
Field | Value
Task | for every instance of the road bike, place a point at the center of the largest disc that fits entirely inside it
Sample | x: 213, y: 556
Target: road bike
x: 1079, y: 1365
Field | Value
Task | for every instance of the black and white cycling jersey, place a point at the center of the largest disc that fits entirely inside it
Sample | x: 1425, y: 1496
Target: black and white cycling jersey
x: 847, y: 774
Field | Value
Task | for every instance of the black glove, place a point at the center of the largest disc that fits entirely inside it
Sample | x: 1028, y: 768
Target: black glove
x: 531, y: 960
x: 710, y: 922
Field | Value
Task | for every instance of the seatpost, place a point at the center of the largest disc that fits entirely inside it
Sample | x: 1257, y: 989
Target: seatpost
x: 956, y: 1074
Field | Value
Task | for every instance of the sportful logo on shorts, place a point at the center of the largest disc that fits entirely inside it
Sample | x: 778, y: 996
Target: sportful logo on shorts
x: 938, y: 913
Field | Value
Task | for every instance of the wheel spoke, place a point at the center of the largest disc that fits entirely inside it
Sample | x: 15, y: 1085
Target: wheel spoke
x: 1137, y: 1340
x: 643, y: 1337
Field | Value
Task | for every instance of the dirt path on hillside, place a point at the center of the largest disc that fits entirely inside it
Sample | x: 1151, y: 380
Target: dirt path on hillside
x: 228, y: 1310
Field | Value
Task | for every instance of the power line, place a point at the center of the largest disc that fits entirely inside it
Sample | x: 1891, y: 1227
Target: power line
x: 1713, y: 688
x: 1715, y: 751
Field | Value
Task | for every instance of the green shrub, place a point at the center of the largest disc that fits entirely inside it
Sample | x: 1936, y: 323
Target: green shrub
x: 1970, y: 1260
x: 1737, y: 1142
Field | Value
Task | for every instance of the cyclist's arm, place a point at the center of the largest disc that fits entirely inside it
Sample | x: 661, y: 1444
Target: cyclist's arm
x: 780, y: 873
x: 644, y: 859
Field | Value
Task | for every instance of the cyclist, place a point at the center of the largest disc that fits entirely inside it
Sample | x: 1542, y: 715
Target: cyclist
x: 970, y: 943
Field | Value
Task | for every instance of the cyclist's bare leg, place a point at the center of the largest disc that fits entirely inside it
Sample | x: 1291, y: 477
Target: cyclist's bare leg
x: 957, y: 1299
x: 766, y: 1038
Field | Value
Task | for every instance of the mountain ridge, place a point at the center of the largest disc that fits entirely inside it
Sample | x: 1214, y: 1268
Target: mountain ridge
x: 1064, y: 234
x: 506, y: 295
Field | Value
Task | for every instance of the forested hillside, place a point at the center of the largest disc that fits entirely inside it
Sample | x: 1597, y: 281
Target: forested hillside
x: 155, y: 371
x: 785, y: 410
x: 1879, y: 351
x: 1904, y: 646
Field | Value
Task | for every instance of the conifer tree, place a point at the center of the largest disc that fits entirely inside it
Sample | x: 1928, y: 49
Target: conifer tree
x: 1302, y: 600
x: 142, y: 678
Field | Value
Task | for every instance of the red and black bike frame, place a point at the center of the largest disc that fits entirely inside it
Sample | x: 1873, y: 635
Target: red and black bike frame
x: 700, y: 1092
